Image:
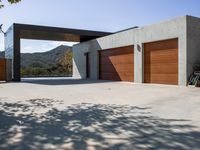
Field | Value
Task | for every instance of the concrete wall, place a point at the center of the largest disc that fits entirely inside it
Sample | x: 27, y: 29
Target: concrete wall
x: 175, y: 28
x: 8, y: 70
x: 193, y: 43
x: 79, y: 60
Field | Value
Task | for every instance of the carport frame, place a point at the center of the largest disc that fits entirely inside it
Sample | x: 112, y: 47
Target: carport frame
x: 34, y: 32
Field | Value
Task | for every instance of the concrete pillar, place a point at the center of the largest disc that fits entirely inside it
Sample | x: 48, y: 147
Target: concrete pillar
x: 8, y: 70
x: 138, y: 62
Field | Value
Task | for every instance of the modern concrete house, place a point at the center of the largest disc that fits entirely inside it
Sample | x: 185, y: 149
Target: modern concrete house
x: 162, y: 53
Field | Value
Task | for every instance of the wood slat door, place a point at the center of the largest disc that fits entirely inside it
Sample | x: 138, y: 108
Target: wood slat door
x: 2, y: 69
x: 117, y: 64
x: 161, y: 62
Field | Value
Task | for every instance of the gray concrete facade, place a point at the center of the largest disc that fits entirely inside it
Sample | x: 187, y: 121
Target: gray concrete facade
x: 193, y: 43
x: 186, y: 29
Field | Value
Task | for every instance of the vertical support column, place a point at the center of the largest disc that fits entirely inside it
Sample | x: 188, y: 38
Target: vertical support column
x: 138, y: 63
x: 16, y: 57
x: 8, y: 70
x: 182, y: 61
x: 94, y: 59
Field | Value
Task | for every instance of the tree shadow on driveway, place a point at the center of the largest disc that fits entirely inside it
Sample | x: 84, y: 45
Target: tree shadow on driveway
x: 38, y: 124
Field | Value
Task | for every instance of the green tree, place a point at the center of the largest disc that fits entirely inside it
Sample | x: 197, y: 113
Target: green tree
x: 10, y: 1
x: 66, y: 62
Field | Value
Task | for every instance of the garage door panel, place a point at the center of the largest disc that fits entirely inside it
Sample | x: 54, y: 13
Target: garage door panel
x: 163, y: 56
x: 166, y: 68
x: 117, y: 68
x: 167, y: 44
x: 163, y: 52
x: 117, y: 51
x: 127, y: 58
x: 161, y: 62
x: 116, y: 64
x: 162, y: 78
x: 124, y: 59
x: 110, y: 76
x: 118, y: 76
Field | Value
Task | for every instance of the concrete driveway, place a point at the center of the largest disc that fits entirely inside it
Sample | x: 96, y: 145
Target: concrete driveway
x: 84, y: 114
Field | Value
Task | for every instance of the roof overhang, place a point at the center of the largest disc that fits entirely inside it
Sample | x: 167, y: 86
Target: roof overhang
x: 56, y: 33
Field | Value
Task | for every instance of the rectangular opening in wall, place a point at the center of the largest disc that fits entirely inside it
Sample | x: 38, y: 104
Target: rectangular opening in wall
x: 40, y: 58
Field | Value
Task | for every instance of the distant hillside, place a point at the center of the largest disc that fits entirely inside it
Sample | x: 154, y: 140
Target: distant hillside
x: 44, y: 59
x: 55, y: 62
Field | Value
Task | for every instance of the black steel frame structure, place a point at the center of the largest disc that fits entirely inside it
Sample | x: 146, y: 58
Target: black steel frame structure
x: 35, y: 32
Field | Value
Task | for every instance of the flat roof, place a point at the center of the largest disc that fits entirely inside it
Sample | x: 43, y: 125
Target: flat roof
x: 38, y: 32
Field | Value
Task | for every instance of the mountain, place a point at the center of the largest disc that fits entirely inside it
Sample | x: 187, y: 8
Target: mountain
x: 55, y: 62
x: 44, y: 59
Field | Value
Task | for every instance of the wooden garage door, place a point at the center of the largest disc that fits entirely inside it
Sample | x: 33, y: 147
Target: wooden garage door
x: 161, y: 62
x: 117, y: 64
x: 2, y: 69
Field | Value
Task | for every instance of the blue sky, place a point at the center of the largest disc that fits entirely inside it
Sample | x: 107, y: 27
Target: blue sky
x: 102, y: 15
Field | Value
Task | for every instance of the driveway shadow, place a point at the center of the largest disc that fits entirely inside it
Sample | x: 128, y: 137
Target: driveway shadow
x: 58, y: 81
x: 84, y: 126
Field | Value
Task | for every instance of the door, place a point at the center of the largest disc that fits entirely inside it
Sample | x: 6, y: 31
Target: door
x: 87, y: 65
x: 117, y: 64
x: 161, y: 62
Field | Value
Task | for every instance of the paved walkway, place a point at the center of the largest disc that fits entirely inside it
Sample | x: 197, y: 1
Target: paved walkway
x: 85, y: 114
